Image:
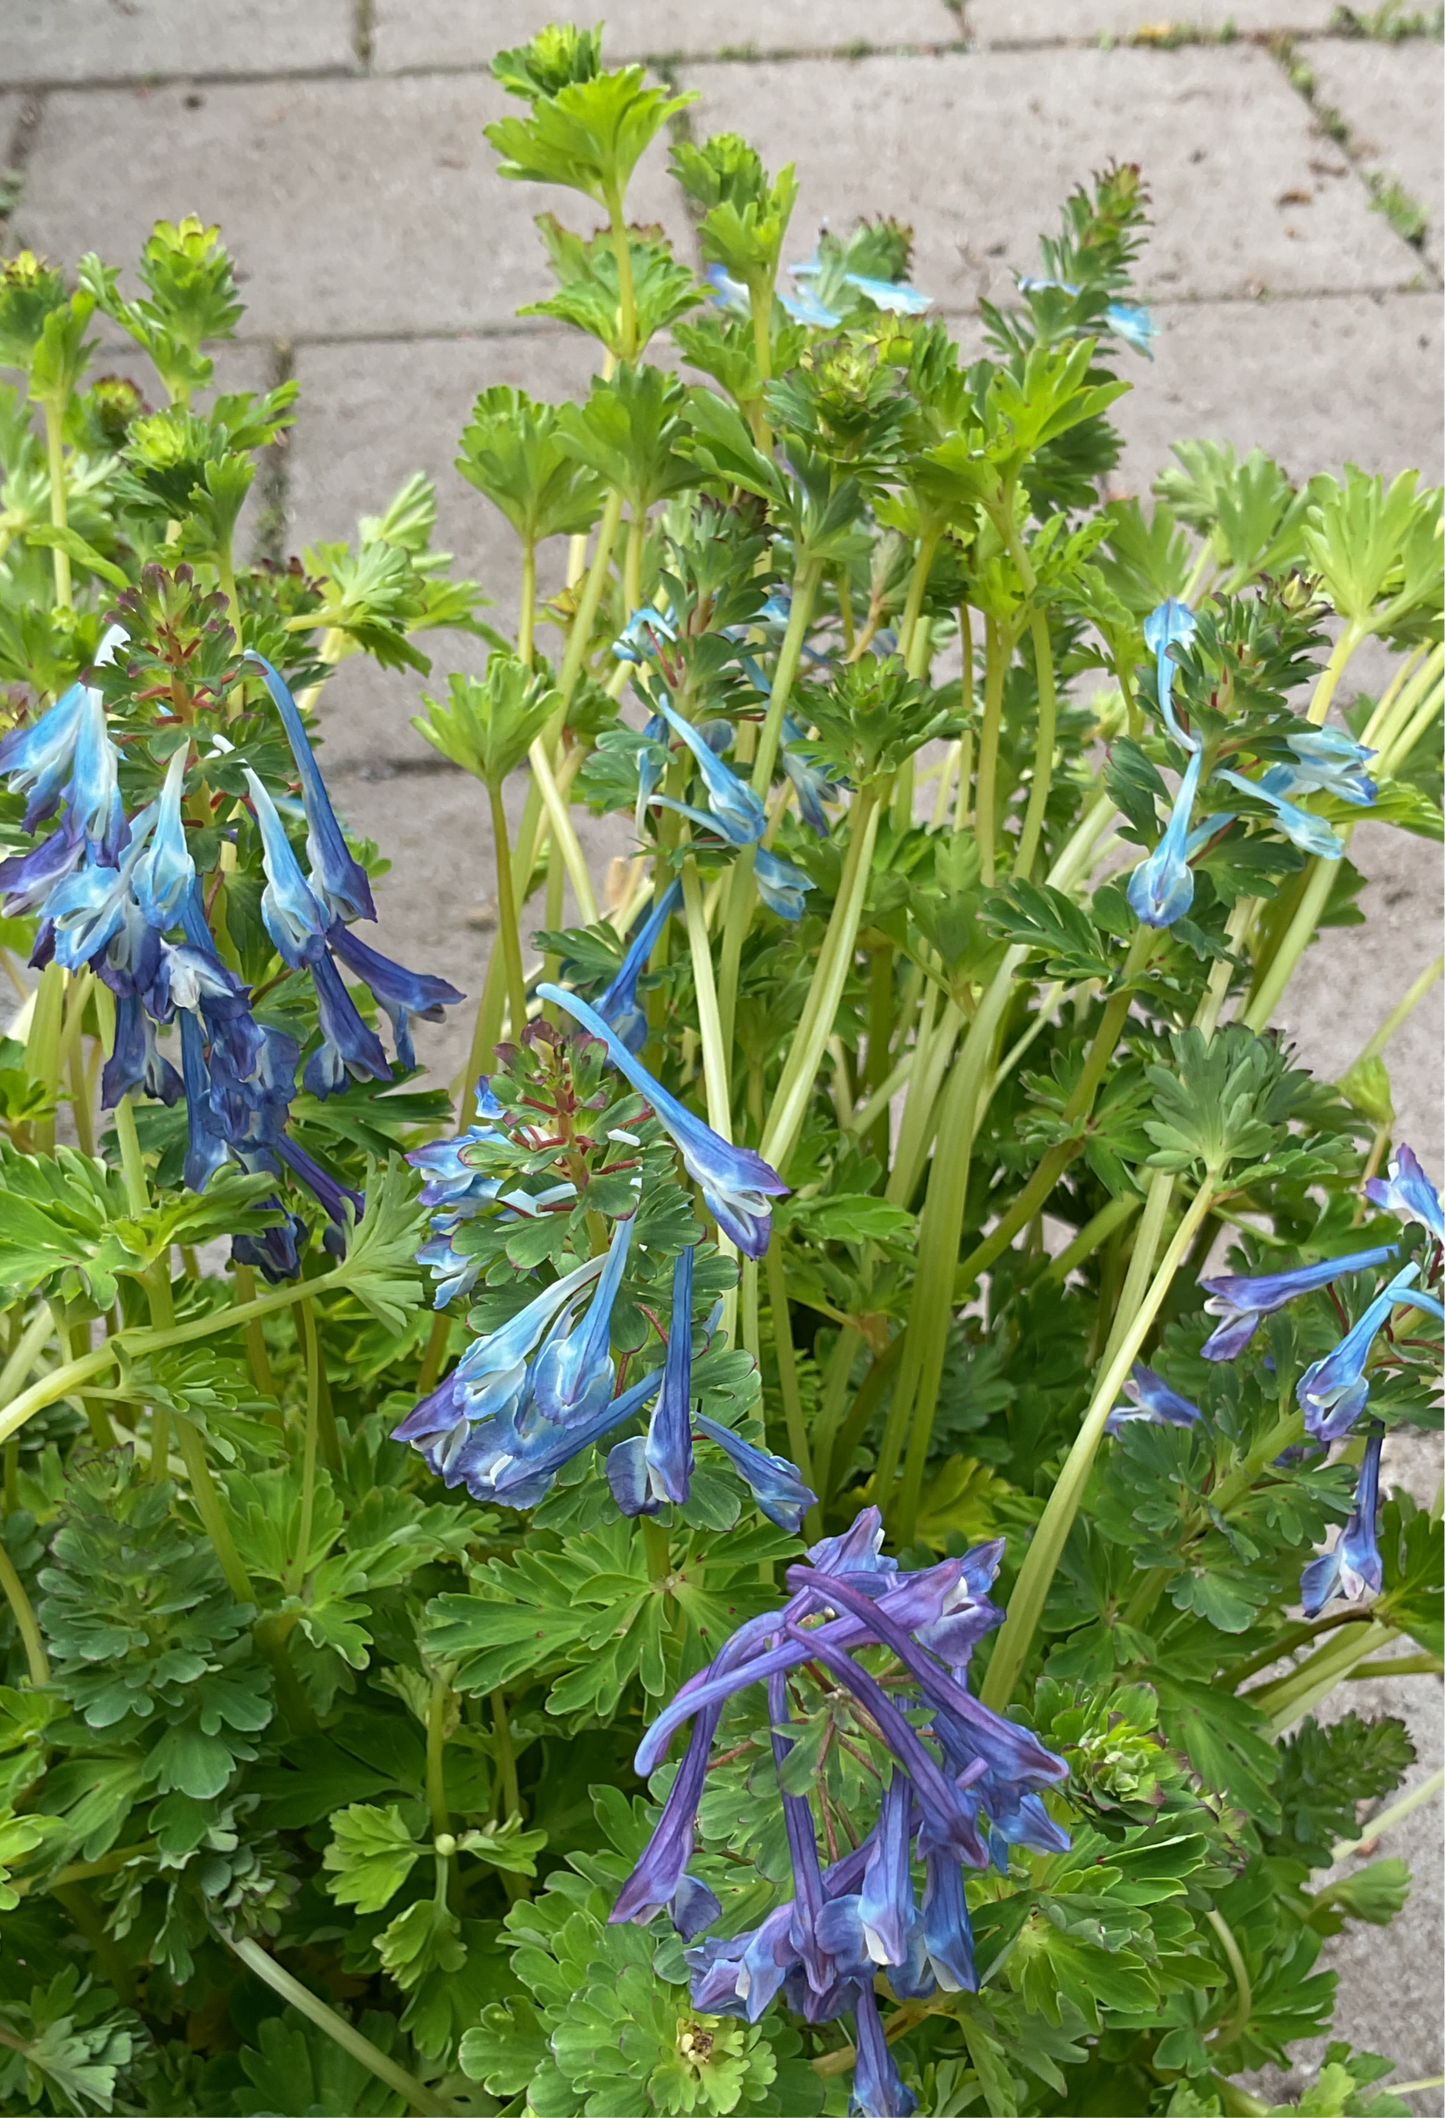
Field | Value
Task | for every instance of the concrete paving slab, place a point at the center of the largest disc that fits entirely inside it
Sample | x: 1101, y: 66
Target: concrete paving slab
x: 1392, y: 97
x: 995, y: 22
x: 366, y: 208
x: 978, y: 150
x: 370, y: 415
x: 411, y: 33
x: 120, y: 40
x: 1316, y: 383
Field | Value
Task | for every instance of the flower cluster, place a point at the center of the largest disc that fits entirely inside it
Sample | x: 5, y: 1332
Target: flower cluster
x: 122, y: 896
x: 959, y: 1785
x: 530, y: 1394
x: 1334, y: 1390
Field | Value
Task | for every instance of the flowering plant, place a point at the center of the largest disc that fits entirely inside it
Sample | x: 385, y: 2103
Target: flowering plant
x: 880, y: 1304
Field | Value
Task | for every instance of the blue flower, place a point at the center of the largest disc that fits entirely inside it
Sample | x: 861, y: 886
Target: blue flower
x: 618, y: 1004
x: 887, y: 1907
x: 1170, y: 624
x: 1149, y: 1397
x: 736, y: 810
x: 781, y: 886
x: 649, y: 1470
x: 1331, y: 762
x: 1332, y: 1393
x: 37, y: 758
x: 1135, y: 324
x: 638, y: 640
x: 1161, y: 888
x: 1311, y: 833
x: 89, y: 908
x: 27, y: 879
x: 492, y: 1373
x: 727, y: 292
x: 775, y: 1484
x: 735, y: 1181
x: 93, y: 792
x: 205, y: 1149
x: 134, y: 1061
x: 1408, y: 1194
x: 166, y: 871
x: 294, y: 917
x: 804, y: 307
x: 572, y: 1376
x: 894, y: 295
x: 1353, y: 1569
x: 399, y: 992
x: 1240, y: 1300
x: 337, y: 877
x: 811, y: 784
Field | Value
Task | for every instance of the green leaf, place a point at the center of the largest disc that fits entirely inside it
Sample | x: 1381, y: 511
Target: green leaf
x: 589, y: 135
x: 75, y: 547
x: 426, y: 1937
x: 371, y: 1854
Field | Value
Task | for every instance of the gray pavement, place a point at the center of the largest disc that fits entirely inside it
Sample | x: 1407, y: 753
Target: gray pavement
x: 339, y: 143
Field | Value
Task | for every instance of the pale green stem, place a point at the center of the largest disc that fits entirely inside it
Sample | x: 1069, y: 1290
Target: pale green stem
x: 226, y: 571
x: 256, y: 1354
x: 55, y: 460
x: 527, y: 611
x: 579, y: 638
x: 1399, y: 702
x: 509, y: 933
x: 1388, y: 1818
x: 1040, y: 1561
x: 626, y: 297
x: 714, y: 1052
x: 305, y: 2002
x: 564, y: 832
x: 985, y: 820
x: 510, y: 1798
x: 296, y: 1572
x: 42, y: 1049
x: 632, y: 567
x: 1292, y: 1696
x: 1334, y: 669
x: 1088, y: 1239
x: 38, y: 1333
x: 1043, y: 748
x: 436, y: 1740
x: 1243, y: 1991
x: 795, y: 1088
x: 738, y: 916
x: 24, y: 1616
x: 1402, y: 1011
x: 1297, y: 938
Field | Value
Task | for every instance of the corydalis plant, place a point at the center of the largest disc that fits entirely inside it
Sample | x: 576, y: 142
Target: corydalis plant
x: 884, y: 1210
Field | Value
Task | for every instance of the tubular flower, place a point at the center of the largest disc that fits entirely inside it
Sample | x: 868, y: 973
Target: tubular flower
x: 1240, y: 1300
x: 337, y: 877
x: 1328, y: 761
x: 37, y: 758
x: 810, y: 783
x: 1170, y: 624
x: 1353, y: 1569
x: 845, y: 1922
x: 1148, y: 1397
x: 1408, y: 1194
x: 1135, y: 324
x: 735, y: 1181
x: 645, y: 1471
x: 735, y: 809
x: 164, y: 875
x: 1332, y: 1393
x: 1311, y: 833
x: 1161, y: 888
x: 618, y: 1004
x: 781, y: 886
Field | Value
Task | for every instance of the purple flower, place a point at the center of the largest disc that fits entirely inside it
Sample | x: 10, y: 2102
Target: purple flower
x: 1240, y: 1300
x: 1408, y: 1194
x: 775, y: 1484
x: 1332, y: 1392
x: 735, y: 1181
x: 1149, y: 1397
x: 1353, y: 1569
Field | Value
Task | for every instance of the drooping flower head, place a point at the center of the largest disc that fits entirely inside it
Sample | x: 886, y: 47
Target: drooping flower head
x: 1161, y: 888
x: 1333, y: 1392
x: 954, y: 1768
x: 618, y: 1004
x: 1408, y: 1194
x: 1170, y: 624
x: 1353, y: 1568
x: 1148, y: 1397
